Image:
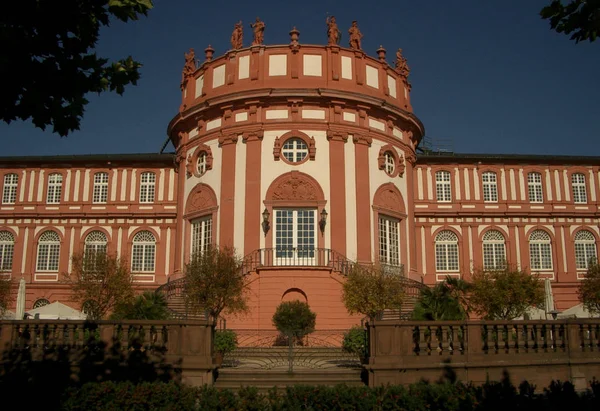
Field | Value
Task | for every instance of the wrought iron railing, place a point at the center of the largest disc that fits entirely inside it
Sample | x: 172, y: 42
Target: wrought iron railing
x: 297, y: 257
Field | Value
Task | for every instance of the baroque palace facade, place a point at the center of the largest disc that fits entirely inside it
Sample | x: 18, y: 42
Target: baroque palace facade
x: 302, y: 158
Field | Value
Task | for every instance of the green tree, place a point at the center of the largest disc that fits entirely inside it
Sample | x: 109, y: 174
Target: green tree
x: 442, y: 302
x: 579, y: 18
x: 505, y: 294
x: 146, y: 306
x: 5, y: 295
x: 101, y: 282
x: 215, y: 282
x: 589, y: 289
x: 369, y: 290
x: 48, y: 56
x: 294, y: 319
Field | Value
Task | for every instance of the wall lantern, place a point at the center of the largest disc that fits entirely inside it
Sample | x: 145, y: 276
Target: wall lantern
x: 265, y: 222
x: 323, y: 220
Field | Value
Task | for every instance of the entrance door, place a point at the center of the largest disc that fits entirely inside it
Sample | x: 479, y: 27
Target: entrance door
x: 295, y: 236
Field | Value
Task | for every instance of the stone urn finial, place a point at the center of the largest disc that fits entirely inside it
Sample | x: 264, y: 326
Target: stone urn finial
x: 209, y: 51
x: 294, y: 36
x: 381, y: 53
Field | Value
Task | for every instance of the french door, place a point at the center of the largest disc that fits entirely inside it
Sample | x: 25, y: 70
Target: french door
x: 295, y: 236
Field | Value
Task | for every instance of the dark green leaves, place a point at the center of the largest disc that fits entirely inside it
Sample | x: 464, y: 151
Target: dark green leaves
x: 580, y: 18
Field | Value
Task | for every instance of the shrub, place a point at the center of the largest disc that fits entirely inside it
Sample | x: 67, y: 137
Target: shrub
x: 294, y: 319
x: 225, y: 341
x: 355, y: 341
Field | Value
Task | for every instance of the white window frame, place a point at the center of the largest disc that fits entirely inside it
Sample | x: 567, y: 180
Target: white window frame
x: 48, y: 252
x: 7, y: 251
x: 447, y: 257
x: 202, y: 162
x: 143, y: 253
x: 534, y: 187
x: 490, y: 187
x: 147, y: 187
x: 390, y: 163
x: 578, y: 188
x: 585, y: 249
x: 55, y: 181
x: 201, y: 234
x: 389, y: 240
x: 443, y: 186
x: 294, y: 150
x: 540, y: 251
x: 289, y: 226
x: 9, y: 191
x: 100, y: 195
x: 494, y: 250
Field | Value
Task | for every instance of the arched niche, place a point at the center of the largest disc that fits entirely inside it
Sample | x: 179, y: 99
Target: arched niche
x: 202, y: 200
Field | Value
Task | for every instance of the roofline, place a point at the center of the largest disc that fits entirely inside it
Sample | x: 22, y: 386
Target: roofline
x: 146, y: 158
x: 504, y: 158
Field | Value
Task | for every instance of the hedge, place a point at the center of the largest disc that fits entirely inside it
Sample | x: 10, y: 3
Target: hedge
x: 417, y: 397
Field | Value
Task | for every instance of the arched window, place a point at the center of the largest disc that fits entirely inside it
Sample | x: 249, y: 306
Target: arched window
x: 534, y: 184
x: 147, y: 187
x: 585, y: 249
x: 490, y: 187
x: 446, y: 251
x: 143, y: 253
x: 494, y: 250
x: 294, y: 150
x: 540, y: 250
x: 48, y: 252
x: 40, y: 303
x: 54, y: 188
x: 100, y: 195
x: 7, y: 248
x: 578, y: 186
x: 95, y: 242
x: 443, y: 188
x: 9, y: 192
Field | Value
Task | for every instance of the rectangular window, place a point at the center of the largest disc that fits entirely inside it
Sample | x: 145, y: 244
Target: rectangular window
x: 9, y: 192
x: 534, y: 183
x: 295, y: 236
x: 48, y: 257
x: 389, y: 241
x: 201, y: 234
x: 100, y: 188
x: 6, y: 255
x: 578, y: 185
x: 541, y: 256
x: 147, y: 189
x: 490, y: 187
x: 446, y: 257
x: 54, y: 188
x: 443, y: 188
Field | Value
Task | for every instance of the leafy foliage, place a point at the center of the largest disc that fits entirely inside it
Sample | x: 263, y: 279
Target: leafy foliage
x: 225, y: 341
x: 100, y: 281
x: 442, y: 302
x: 505, y: 294
x: 442, y: 396
x: 294, y: 319
x: 589, y: 289
x: 355, y: 341
x: 579, y: 17
x: 215, y: 282
x: 5, y: 294
x: 147, y: 306
x: 370, y: 289
x: 48, y: 55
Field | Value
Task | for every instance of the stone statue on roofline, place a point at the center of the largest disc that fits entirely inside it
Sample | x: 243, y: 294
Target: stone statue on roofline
x: 333, y: 33
x: 189, y: 67
x: 237, y: 37
x: 355, y: 36
x: 259, y: 32
x: 402, y: 66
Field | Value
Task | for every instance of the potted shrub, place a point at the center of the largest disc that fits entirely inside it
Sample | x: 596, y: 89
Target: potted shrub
x: 355, y: 342
x: 225, y: 342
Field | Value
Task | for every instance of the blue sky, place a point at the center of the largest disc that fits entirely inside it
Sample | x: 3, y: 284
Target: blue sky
x: 487, y: 76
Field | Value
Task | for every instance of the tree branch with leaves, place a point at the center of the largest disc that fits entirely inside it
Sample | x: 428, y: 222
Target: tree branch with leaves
x: 589, y: 289
x: 579, y: 18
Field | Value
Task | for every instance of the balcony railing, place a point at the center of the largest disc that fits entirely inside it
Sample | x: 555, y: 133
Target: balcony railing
x: 297, y: 257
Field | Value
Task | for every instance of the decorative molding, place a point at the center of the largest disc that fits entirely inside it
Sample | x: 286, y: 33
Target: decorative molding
x: 389, y: 200
x: 309, y: 141
x: 229, y: 139
x: 252, y: 136
x: 337, y: 136
x: 399, y: 166
x: 201, y: 200
x: 192, y: 160
x: 362, y: 139
x: 295, y: 188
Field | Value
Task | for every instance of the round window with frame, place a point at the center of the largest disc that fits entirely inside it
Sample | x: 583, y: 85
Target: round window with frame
x: 294, y: 150
x: 390, y: 163
x: 201, y: 165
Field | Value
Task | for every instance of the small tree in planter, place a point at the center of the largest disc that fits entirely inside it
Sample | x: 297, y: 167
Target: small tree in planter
x: 225, y: 342
x: 294, y: 319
